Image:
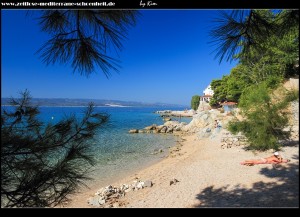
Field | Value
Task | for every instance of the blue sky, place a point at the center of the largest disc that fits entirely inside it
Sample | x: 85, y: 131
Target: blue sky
x: 166, y: 58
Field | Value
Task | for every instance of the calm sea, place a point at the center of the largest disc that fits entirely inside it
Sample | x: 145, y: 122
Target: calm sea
x: 116, y: 151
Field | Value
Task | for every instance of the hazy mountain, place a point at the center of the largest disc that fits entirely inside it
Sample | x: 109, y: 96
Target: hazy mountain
x: 84, y: 102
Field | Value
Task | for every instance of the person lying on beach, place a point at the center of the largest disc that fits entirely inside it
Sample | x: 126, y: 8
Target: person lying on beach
x: 274, y: 159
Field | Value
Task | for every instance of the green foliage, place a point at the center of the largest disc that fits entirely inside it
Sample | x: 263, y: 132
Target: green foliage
x: 273, y: 81
x: 195, y: 102
x: 220, y: 91
x: 271, y: 59
x: 42, y: 164
x: 239, y: 32
x: 230, y: 87
x: 265, y: 118
x: 292, y: 96
x: 267, y: 47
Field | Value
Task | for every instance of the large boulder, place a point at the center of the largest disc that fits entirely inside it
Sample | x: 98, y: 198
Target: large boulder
x: 203, y: 106
x: 133, y: 131
x: 180, y: 126
x: 159, y: 127
x: 171, y: 123
x: 163, y: 129
x: 204, y: 133
x: 175, y: 125
x: 186, y: 113
x: 204, y: 119
x: 200, y: 121
x: 170, y: 130
x: 152, y: 127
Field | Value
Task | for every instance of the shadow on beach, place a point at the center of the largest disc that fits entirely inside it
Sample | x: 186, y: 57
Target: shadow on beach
x: 293, y: 143
x: 283, y: 192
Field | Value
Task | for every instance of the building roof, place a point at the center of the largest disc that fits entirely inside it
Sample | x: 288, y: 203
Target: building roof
x: 228, y: 103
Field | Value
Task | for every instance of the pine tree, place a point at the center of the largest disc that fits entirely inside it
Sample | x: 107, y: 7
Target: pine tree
x: 265, y: 117
x: 84, y: 38
x: 41, y: 164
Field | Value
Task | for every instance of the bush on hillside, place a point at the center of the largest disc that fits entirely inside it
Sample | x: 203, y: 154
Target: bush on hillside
x: 265, y: 118
x: 195, y: 102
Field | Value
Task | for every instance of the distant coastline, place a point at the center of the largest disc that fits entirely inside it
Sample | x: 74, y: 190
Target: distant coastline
x: 65, y: 102
x: 75, y: 106
x: 116, y: 105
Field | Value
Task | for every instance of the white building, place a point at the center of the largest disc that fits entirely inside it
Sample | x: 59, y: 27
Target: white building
x: 207, y: 94
x: 208, y: 91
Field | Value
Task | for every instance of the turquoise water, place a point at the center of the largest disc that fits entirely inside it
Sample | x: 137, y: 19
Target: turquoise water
x: 116, y: 151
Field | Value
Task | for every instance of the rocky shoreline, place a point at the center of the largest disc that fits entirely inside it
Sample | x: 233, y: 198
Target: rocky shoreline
x: 202, y: 147
x: 170, y: 113
x: 203, y: 124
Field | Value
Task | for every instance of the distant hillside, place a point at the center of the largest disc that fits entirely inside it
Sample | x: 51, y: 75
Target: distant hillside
x: 84, y: 102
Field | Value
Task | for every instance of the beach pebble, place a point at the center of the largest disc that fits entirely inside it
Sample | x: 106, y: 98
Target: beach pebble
x: 94, y: 201
x: 173, y: 181
x: 148, y: 183
x: 102, y: 201
x: 107, y: 206
x: 140, y: 185
x: 99, y: 191
x: 115, y: 205
x: 127, y: 190
x: 134, y: 184
x: 124, y: 187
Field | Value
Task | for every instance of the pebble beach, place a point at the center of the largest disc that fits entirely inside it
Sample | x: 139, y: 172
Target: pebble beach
x: 211, y: 176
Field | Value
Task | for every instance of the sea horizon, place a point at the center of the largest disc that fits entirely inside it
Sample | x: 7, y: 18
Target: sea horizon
x: 81, y: 102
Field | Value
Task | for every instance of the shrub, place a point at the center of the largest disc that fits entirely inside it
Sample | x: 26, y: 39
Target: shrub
x: 265, y: 119
x: 195, y: 102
